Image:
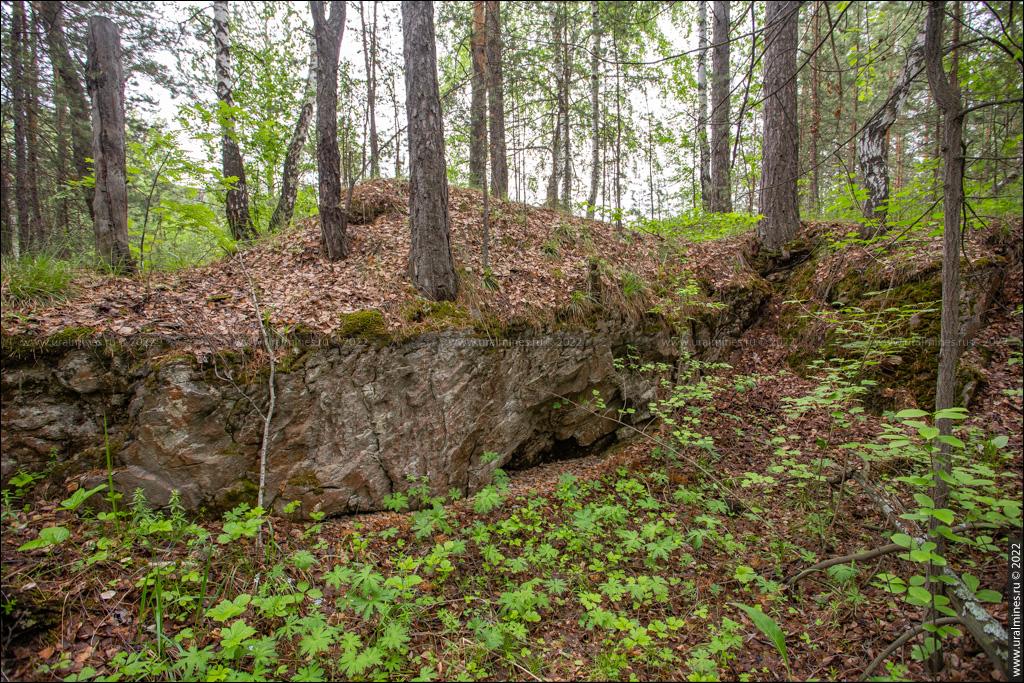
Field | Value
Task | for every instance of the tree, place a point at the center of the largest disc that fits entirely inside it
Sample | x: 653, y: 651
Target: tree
x: 478, y: 106
x: 282, y: 215
x: 815, y: 189
x: 18, y: 105
x: 779, y: 201
x: 721, y: 190
x: 563, y: 109
x: 370, y: 59
x: 595, y: 107
x: 105, y: 75
x: 496, y: 102
x: 68, y: 83
x: 873, y: 150
x: 947, y: 96
x: 6, y: 215
x: 31, y: 72
x: 560, y: 163
x: 702, y: 105
x: 236, y: 200
x: 333, y: 221
x: 431, y: 267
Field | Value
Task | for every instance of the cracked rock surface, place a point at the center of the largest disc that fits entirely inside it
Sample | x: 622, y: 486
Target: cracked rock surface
x: 353, y: 423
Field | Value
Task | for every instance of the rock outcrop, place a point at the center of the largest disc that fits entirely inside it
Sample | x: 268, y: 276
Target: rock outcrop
x: 354, y: 421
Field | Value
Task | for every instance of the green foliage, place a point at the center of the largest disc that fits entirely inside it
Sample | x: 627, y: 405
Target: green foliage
x: 770, y: 628
x: 697, y: 226
x: 37, y: 279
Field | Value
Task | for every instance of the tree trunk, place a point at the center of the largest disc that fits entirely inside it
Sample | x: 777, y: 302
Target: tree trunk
x: 32, y: 135
x: 59, y: 159
x: 721, y: 188
x: 816, y: 112
x: 554, y: 181
x: 52, y: 16
x: 398, y: 133
x: 333, y: 221
x: 595, y: 108
x: 947, y: 96
x: 431, y: 267
x: 563, y: 106
x: 702, y: 105
x: 282, y: 215
x: 18, y: 105
x: 370, y: 59
x: 478, y: 104
x: 873, y: 150
x: 780, y: 204
x: 857, y: 10
x: 618, y: 132
x: 6, y: 216
x: 105, y: 74
x: 236, y: 200
x: 496, y: 102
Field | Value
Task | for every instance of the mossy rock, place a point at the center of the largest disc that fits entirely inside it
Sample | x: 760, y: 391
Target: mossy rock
x: 306, y: 480
x: 242, y: 491
x: 368, y: 326
x: 17, y: 347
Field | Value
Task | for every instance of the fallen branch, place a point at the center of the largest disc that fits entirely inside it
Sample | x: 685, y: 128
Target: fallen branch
x: 902, y: 640
x: 987, y: 632
x: 273, y: 397
x: 860, y: 557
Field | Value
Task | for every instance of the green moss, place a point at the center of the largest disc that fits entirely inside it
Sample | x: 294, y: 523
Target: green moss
x: 368, y: 326
x: 69, y: 334
x: 25, y: 346
x: 363, y: 323
x: 307, y: 481
x: 243, y: 491
x: 487, y: 324
x: 294, y: 361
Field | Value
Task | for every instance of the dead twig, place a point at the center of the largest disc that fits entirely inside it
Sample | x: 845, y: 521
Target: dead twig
x: 902, y: 640
x: 270, y: 383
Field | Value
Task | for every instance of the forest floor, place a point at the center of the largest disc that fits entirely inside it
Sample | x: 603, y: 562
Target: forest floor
x: 538, y: 258
x: 631, y: 565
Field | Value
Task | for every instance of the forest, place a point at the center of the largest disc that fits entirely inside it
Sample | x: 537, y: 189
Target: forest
x: 545, y: 340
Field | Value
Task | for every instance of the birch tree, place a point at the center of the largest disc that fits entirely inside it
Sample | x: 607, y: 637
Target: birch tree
x: 282, y: 215
x: 236, y: 200
x: 873, y: 150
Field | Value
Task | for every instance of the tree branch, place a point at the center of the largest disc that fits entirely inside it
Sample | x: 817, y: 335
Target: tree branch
x: 982, y: 105
x: 902, y: 640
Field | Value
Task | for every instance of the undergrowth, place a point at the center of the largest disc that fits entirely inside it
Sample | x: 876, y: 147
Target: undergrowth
x: 664, y: 566
x: 37, y: 279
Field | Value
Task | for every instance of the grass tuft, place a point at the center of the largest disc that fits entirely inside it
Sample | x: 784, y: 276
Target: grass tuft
x: 35, y: 279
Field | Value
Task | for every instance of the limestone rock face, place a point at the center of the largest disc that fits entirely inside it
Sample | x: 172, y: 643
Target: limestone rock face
x: 54, y: 405
x: 353, y: 423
